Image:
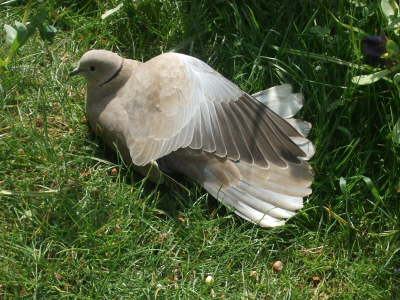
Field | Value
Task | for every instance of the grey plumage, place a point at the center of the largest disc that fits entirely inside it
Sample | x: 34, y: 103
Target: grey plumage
x: 176, y: 114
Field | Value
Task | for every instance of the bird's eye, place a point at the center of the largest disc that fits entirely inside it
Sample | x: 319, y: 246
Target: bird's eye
x: 92, y: 68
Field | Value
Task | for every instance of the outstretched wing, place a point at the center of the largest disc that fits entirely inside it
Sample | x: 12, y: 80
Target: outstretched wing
x: 175, y: 101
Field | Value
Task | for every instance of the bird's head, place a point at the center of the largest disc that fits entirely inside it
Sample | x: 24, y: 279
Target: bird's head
x: 99, y: 67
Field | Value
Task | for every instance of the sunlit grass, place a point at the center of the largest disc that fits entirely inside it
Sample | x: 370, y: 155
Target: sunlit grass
x: 107, y: 236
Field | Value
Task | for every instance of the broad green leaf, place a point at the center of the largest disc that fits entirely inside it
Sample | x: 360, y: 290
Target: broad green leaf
x: 2, y: 62
x: 392, y: 46
x: 320, y: 30
x: 30, y: 30
x: 39, y: 19
x: 368, y: 79
x: 392, y: 49
x: 42, y: 32
x: 11, y: 34
x: 335, y: 104
x: 111, y: 11
x: 50, y: 32
x: 396, y: 78
x: 389, y: 8
x: 396, y: 132
x: 393, y: 24
x: 47, y: 32
x: 19, y: 39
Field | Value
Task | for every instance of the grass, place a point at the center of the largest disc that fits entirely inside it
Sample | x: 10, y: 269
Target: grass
x: 107, y: 236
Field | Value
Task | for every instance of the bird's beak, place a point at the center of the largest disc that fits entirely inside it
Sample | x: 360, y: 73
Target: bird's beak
x: 75, y: 72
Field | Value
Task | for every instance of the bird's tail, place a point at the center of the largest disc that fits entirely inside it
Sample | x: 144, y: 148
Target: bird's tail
x: 265, y: 196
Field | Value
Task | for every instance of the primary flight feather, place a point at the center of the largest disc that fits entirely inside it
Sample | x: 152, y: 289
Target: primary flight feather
x: 174, y: 113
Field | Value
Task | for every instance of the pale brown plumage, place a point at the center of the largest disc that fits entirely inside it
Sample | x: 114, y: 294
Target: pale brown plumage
x: 174, y: 113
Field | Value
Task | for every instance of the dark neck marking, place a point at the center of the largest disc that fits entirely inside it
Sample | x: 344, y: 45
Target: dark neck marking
x: 115, y: 74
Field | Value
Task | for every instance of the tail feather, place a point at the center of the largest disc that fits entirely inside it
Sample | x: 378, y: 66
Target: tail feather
x: 245, y: 211
x: 262, y: 200
x: 295, y: 175
x: 281, y: 100
x: 263, y: 205
x: 280, y: 188
x: 305, y: 145
x: 301, y: 126
x: 275, y: 199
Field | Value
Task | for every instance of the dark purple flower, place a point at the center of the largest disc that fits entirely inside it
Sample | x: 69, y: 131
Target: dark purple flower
x: 375, y: 46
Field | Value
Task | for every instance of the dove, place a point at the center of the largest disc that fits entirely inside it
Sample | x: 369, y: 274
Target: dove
x: 176, y: 114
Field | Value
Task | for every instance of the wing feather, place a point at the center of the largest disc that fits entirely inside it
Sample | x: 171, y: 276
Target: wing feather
x: 253, y: 121
x: 197, y: 140
x: 189, y: 134
x: 232, y: 151
x: 279, y: 141
x: 236, y: 133
x: 220, y: 149
x: 207, y: 137
x: 281, y: 100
